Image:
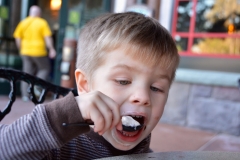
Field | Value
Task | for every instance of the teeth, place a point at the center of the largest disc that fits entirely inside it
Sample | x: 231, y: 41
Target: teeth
x: 125, y: 134
x: 137, y: 116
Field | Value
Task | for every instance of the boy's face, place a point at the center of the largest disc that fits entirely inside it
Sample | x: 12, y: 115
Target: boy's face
x: 139, y: 90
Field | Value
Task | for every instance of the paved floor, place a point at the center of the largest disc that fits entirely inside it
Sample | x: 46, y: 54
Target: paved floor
x: 165, y: 137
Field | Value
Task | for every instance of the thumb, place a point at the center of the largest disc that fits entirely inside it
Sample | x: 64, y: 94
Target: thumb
x: 119, y: 126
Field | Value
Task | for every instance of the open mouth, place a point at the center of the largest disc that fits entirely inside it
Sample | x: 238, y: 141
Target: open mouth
x: 139, y: 118
x: 132, y: 126
x: 132, y: 123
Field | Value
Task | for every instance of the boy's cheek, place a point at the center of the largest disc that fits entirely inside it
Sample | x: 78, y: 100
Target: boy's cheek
x: 157, y: 117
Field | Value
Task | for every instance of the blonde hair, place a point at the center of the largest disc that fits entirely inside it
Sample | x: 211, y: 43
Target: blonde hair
x: 150, y: 41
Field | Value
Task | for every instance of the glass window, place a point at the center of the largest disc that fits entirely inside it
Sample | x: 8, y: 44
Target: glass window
x: 216, y: 16
x: 222, y: 46
x: 207, y: 27
x: 184, y: 12
x: 181, y: 43
x: 202, y: 10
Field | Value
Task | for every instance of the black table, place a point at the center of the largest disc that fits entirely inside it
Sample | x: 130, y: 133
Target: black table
x: 189, y: 155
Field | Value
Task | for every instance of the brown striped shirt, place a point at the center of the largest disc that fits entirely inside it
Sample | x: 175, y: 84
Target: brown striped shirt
x: 40, y: 135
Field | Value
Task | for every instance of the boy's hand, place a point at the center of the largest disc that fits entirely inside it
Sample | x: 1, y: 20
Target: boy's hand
x: 99, y: 108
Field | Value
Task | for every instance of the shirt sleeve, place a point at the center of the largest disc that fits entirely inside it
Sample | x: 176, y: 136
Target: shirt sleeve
x: 18, y: 31
x: 46, y: 29
x: 65, y: 110
x: 33, y: 136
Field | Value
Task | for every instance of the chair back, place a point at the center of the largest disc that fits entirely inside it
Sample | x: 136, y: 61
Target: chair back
x: 12, y: 76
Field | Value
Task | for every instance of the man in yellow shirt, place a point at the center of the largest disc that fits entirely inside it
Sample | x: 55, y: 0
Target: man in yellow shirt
x: 32, y: 37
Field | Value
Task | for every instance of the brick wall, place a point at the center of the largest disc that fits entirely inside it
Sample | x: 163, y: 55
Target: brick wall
x: 212, y: 108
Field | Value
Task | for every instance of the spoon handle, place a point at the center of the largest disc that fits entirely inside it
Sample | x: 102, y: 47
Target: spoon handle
x: 77, y: 124
x: 125, y: 128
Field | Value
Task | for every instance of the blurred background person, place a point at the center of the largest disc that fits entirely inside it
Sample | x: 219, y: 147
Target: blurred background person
x: 33, y: 37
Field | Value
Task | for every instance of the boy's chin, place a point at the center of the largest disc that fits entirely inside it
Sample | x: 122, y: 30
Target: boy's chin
x: 112, y: 136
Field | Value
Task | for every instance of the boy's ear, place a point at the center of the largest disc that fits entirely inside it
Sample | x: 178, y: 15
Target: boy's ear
x: 81, y: 81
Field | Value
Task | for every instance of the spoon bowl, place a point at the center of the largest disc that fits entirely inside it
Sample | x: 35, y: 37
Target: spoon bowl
x: 132, y: 128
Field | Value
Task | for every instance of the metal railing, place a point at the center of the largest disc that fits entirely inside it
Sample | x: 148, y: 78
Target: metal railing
x: 12, y: 76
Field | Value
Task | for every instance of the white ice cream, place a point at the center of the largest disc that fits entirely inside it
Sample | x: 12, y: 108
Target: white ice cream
x: 129, y: 121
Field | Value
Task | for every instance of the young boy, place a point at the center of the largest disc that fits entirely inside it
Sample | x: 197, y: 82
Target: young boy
x: 125, y: 66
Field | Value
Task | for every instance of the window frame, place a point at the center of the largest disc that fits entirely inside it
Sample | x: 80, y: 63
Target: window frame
x: 191, y: 34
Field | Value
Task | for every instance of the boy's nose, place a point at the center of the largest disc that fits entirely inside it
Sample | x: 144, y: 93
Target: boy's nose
x: 140, y: 98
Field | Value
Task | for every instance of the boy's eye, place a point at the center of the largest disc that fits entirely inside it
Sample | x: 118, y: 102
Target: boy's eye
x: 155, y: 89
x: 123, y: 82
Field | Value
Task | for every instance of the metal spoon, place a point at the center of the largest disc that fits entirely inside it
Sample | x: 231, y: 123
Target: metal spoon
x: 131, y: 128
x: 77, y: 124
x: 125, y: 128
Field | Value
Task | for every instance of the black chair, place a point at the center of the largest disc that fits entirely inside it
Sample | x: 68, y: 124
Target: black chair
x: 12, y: 76
x: 239, y: 84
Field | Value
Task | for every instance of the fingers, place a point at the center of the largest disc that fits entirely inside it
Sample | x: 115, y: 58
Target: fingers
x: 115, y: 110
x: 52, y: 54
x: 101, y: 109
x: 98, y: 120
x: 110, y: 113
x: 101, y: 116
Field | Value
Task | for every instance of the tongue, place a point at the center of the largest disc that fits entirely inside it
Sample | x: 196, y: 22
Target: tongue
x: 129, y: 133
